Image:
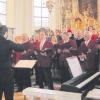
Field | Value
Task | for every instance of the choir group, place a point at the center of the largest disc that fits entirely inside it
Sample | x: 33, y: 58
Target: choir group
x: 51, y: 49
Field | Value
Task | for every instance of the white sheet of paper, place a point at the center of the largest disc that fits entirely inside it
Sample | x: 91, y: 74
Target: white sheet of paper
x: 74, y: 66
x: 25, y: 64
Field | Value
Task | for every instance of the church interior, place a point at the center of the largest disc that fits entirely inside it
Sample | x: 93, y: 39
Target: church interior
x: 61, y: 49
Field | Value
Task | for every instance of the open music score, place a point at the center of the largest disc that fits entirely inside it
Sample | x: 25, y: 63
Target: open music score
x: 25, y: 64
x: 74, y: 66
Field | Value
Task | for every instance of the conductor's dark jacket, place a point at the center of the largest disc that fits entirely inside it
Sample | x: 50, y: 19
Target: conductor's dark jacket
x: 6, y: 47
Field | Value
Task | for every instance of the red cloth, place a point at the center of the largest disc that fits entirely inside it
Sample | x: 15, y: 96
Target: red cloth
x: 69, y: 30
x: 36, y: 45
x: 94, y: 37
x: 17, y: 56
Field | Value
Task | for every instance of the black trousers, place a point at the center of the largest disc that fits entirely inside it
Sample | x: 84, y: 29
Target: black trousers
x: 65, y: 74
x: 6, y: 85
x: 44, y: 73
x: 22, y: 78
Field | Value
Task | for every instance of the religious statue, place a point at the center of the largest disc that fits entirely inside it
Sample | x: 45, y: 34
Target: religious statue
x: 78, y: 23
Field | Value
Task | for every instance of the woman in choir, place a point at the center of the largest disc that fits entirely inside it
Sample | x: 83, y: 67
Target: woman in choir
x: 58, y: 35
x: 66, y: 47
x: 79, y: 38
x: 90, y: 29
x: 51, y: 37
x: 57, y: 49
x: 44, y: 61
x: 88, y: 52
x: 36, y: 42
x: 94, y: 35
x: 23, y: 75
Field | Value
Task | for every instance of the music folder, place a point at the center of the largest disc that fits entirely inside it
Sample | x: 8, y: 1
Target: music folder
x: 25, y: 64
x: 74, y: 66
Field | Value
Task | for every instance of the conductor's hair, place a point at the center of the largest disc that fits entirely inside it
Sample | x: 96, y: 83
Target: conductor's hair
x: 3, y: 30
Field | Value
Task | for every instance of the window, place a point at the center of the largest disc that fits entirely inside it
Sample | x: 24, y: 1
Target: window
x: 40, y: 14
x: 3, y: 12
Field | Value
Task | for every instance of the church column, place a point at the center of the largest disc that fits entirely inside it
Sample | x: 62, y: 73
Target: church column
x: 23, y: 16
x: 75, y: 7
x: 55, y: 16
x: 52, y: 17
x: 10, y: 13
x: 58, y: 16
x: 75, y: 11
x: 98, y: 9
x: 98, y: 13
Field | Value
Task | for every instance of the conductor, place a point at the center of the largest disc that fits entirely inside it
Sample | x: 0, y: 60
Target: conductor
x: 6, y: 74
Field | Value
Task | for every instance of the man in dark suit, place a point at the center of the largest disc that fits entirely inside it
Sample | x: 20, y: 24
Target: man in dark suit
x: 6, y: 75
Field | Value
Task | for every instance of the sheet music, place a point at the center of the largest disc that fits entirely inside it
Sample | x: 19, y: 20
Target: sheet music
x: 25, y: 64
x: 74, y: 66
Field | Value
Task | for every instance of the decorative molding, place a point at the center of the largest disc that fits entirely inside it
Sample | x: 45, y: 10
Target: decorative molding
x: 50, y: 5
